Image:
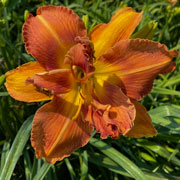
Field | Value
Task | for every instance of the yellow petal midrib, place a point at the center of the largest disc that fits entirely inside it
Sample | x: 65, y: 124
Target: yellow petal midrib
x: 67, y: 121
x: 53, y: 32
x: 117, y: 70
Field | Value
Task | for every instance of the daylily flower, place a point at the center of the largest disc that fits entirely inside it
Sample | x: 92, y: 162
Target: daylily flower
x: 93, y: 81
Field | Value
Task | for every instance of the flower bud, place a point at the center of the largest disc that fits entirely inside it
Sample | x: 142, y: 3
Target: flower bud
x: 2, y: 80
x: 26, y: 13
x: 4, y: 2
x: 85, y: 19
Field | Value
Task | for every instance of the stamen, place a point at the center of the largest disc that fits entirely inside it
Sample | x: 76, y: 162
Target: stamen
x: 77, y: 112
x: 42, y: 90
x: 78, y: 73
x: 45, y: 91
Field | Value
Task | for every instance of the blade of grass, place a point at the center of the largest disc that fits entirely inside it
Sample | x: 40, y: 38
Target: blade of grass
x: 160, y: 150
x: 27, y: 166
x: 70, y: 169
x: 16, y: 149
x: 42, y: 171
x: 106, y: 162
x: 172, y: 81
x: 5, y: 152
x: 84, y: 165
x: 165, y: 116
x: 164, y: 111
x: 4, y: 94
x: 34, y: 167
x: 53, y: 173
x: 119, y: 158
x: 156, y: 90
x: 176, y: 151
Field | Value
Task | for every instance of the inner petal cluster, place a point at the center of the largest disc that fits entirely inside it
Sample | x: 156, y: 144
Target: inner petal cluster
x: 80, y: 58
x: 78, y: 67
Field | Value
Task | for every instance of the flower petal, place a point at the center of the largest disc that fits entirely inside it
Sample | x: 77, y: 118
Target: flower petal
x: 112, y: 114
x: 78, y: 56
x: 17, y: 86
x: 142, y: 123
x: 50, y: 34
x: 134, y: 64
x: 59, y: 80
x: 58, y: 128
x: 121, y: 26
x: 94, y: 116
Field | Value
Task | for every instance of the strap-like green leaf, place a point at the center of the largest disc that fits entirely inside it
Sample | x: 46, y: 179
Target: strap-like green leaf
x: 119, y: 158
x: 165, y: 116
x: 84, y: 165
x: 4, y: 94
x: 16, y: 149
x: 104, y: 161
x: 70, y: 169
x: 5, y: 152
x: 43, y: 171
x: 157, y: 90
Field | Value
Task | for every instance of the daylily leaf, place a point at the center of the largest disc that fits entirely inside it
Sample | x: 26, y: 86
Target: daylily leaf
x: 147, y: 157
x: 27, y: 165
x: 84, y: 165
x: 165, y: 117
x: 70, y: 169
x: 160, y: 150
x: 5, y: 152
x: 43, y: 171
x: 4, y: 94
x: 157, y: 90
x: 16, y: 149
x: 104, y: 161
x: 119, y: 158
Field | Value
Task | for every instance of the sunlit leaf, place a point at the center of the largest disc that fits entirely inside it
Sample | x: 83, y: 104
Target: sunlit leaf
x: 119, y: 158
x: 16, y: 149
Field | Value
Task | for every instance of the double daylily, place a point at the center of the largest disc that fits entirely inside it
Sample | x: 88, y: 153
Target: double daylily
x: 93, y: 81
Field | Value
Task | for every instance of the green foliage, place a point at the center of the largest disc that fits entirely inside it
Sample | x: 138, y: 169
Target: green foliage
x: 16, y: 149
x: 154, y: 158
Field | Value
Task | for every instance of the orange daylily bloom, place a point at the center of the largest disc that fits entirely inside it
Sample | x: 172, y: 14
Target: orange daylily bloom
x: 93, y: 81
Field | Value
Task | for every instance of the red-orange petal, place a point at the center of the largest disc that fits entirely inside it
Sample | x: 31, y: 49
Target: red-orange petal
x: 78, y: 56
x: 134, y: 64
x: 142, y: 123
x: 112, y: 113
x: 94, y: 116
x: 17, y: 86
x: 121, y: 26
x: 59, y: 129
x: 59, y: 80
x: 51, y: 33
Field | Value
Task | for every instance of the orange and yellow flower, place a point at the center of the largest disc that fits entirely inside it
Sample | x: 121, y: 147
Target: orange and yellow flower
x: 93, y: 81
